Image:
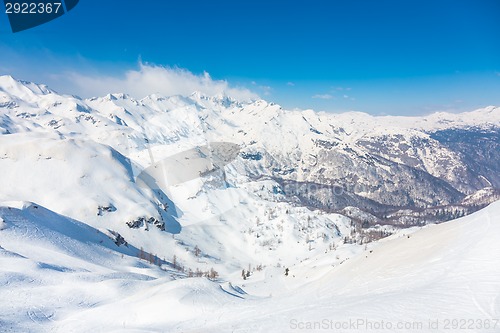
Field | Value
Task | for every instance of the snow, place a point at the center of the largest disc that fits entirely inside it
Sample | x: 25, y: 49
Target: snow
x: 74, y: 172
x: 441, y: 272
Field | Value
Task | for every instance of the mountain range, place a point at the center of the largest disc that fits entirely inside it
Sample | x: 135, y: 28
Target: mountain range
x: 399, y: 170
x: 130, y: 203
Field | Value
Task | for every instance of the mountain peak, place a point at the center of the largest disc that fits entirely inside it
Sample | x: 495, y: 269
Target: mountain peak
x: 21, y: 88
x: 7, y: 82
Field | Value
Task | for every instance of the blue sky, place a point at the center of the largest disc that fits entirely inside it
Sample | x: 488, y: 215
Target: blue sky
x: 376, y: 56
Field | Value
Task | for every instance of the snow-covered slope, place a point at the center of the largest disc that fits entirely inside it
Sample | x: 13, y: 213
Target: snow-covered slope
x: 61, y: 275
x: 445, y: 276
x: 52, y: 266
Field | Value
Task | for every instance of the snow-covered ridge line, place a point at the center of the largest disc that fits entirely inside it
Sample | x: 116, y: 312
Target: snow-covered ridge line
x: 487, y: 116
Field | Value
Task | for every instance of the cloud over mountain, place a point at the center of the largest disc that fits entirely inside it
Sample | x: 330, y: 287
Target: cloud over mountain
x: 149, y: 78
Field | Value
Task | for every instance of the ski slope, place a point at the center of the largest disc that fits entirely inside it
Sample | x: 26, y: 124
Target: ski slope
x: 59, y: 275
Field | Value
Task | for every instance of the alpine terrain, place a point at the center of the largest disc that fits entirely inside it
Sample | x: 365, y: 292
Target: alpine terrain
x: 209, y: 214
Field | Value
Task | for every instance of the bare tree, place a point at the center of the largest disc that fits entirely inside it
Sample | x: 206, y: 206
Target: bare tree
x: 213, y: 274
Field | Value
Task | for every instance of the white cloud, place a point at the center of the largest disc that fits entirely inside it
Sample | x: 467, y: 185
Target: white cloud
x: 323, y: 96
x: 291, y: 84
x: 149, y: 79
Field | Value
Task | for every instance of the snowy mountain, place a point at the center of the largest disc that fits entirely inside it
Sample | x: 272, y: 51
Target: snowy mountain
x: 319, y: 160
x: 126, y: 196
